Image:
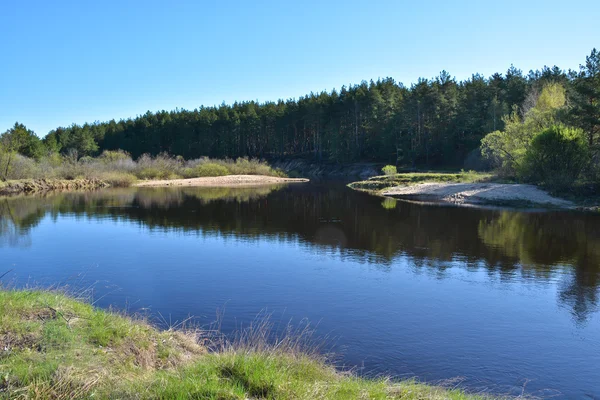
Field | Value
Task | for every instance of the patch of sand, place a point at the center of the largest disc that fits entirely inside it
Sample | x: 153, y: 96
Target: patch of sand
x: 477, y: 193
x: 220, y: 181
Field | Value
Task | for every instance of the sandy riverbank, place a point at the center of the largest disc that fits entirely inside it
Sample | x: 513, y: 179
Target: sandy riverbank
x: 477, y: 193
x: 217, y: 181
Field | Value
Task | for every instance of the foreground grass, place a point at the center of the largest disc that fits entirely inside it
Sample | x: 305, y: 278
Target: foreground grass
x: 379, y: 183
x: 56, y: 347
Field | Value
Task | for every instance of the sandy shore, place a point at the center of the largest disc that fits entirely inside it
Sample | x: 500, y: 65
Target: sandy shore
x: 477, y: 193
x: 219, y: 181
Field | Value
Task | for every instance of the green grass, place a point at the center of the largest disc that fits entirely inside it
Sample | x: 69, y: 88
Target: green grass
x: 55, y: 347
x: 378, y: 183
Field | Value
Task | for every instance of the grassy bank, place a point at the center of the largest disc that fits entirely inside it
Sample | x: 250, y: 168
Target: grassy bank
x: 55, y: 347
x: 119, y: 169
x: 380, y: 183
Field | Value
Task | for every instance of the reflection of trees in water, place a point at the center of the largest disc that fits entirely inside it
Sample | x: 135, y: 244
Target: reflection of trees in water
x: 534, y: 246
x: 168, y: 197
x: 547, y: 244
x: 16, y: 221
x: 11, y: 235
x: 580, y: 293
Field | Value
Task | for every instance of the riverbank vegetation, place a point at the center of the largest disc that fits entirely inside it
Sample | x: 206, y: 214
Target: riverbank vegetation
x: 391, y: 179
x: 115, y: 168
x: 53, y: 346
x: 539, y: 146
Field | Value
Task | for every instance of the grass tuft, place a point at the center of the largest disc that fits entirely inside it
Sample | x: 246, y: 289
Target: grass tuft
x: 56, y: 347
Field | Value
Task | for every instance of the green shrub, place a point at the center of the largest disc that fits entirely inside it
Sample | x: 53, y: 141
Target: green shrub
x: 556, y: 157
x: 210, y: 169
x: 278, y: 172
x: 21, y: 167
x: 389, y: 203
x: 389, y: 170
x: 155, y: 173
x: 109, y: 156
x: 118, y: 169
x: 187, y: 172
x: 245, y: 166
x: 118, y: 179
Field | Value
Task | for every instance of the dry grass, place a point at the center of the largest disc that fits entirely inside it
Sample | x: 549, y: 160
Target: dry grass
x: 117, y: 169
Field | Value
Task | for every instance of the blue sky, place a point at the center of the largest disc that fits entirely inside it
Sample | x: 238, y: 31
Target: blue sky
x: 71, y: 62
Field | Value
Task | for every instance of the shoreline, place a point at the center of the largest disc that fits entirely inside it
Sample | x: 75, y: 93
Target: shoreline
x: 479, y: 194
x: 220, y: 181
x: 63, y: 347
x: 462, y: 190
x: 30, y: 186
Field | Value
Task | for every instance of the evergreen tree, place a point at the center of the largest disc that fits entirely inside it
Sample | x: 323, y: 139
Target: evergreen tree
x: 586, y: 107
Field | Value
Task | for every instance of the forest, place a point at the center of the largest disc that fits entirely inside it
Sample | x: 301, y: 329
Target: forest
x: 434, y: 123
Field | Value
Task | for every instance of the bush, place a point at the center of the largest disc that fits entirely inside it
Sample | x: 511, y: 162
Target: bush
x: 506, y: 149
x: 155, y: 173
x: 210, y: 169
x: 22, y: 167
x: 245, y: 166
x: 241, y: 166
x: 118, y: 179
x: 556, y: 157
x: 112, y: 156
x: 117, y: 168
x: 162, y: 166
x: 389, y: 170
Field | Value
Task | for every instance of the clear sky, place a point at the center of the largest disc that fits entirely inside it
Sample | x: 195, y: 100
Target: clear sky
x: 71, y: 62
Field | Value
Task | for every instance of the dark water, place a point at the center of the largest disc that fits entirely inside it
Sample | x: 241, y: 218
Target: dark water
x: 506, y: 301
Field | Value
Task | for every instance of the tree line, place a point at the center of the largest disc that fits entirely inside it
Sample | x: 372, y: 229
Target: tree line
x: 434, y: 123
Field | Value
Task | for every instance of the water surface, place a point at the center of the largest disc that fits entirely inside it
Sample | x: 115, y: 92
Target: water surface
x: 504, y: 301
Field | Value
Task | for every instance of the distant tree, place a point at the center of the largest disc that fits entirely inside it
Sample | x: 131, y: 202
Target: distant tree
x: 23, y: 141
x: 507, y: 148
x: 586, y: 101
x: 18, y: 140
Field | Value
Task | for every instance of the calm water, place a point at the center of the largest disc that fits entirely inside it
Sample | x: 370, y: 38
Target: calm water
x: 502, y: 300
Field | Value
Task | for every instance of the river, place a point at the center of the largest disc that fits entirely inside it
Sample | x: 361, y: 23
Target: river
x: 502, y: 301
